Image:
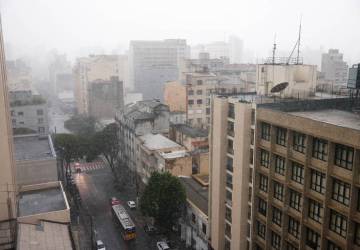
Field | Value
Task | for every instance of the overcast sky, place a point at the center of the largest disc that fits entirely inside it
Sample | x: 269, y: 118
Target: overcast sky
x: 69, y: 25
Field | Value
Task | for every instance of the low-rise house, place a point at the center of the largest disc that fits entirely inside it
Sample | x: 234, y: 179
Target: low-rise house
x: 194, y: 223
x: 156, y: 153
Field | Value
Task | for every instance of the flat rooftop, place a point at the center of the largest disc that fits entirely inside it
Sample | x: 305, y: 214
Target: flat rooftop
x: 33, y: 148
x: 335, y: 117
x: 157, y: 142
x: 190, y: 131
x: 196, y: 193
x: 45, y: 235
x: 41, y: 201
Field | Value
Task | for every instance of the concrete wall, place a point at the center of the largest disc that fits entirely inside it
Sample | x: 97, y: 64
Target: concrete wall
x: 179, y: 166
x: 7, y: 166
x: 175, y: 96
x: 36, y: 171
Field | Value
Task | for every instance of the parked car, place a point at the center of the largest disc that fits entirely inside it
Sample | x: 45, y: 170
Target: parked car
x: 114, y: 201
x: 162, y: 245
x: 100, y: 245
x: 149, y: 229
x: 131, y: 204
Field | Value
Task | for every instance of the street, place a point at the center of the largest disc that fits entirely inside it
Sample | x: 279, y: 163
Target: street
x: 96, y: 187
x: 57, y: 119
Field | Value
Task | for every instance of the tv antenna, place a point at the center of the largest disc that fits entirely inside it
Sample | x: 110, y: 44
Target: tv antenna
x: 297, y: 44
x: 274, y: 49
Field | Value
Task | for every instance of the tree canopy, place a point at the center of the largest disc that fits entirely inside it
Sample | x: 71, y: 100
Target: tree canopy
x: 81, y: 125
x: 68, y: 145
x: 163, y: 199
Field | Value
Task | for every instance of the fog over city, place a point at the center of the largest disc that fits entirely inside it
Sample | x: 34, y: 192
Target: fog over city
x: 83, y: 26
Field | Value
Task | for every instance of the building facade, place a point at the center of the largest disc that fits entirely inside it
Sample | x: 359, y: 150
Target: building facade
x: 136, y: 120
x: 153, y: 63
x: 105, y: 97
x: 334, y: 68
x: 89, y: 69
x: 306, y: 191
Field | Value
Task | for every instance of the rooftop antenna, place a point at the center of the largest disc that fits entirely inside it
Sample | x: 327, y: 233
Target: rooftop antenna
x: 297, y: 44
x: 274, y: 49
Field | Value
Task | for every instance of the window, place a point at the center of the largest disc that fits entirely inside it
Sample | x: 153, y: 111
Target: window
x: 41, y: 130
x: 297, y: 172
x: 276, y: 216
x: 228, y: 213
x: 229, y: 164
x: 39, y: 112
x: 20, y: 113
x: 338, y: 223
x: 40, y: 120
x: 198, y: 120
x: 251, y: 156
x: 357, y: 234
x: 341, y: 192
x: 193, y: 218
x: 208, y: 111
x: 332, y: 246
x: 317, y: 182
x: 275, y: 240
x: 231, y: 111
x: 281, y: 136
x: 315, y: 210
x: 199, y: 92
x: 265, y: 131
x: 230, y: 128
x: 295, y: 200
x: 12, y: 113
x: 208, y: 102
x: 199, y: 82
x: 229, y: 181
x: 228, y: 230
x: 320, y: 149
x: 312, y: 239
x: 229, y: 197
x: 227, y: 244
x: 230, y: 148
x: 264, y: 158
x: 289, y: 246
x: 261, y: 229
x: 279, y: 164
x: 299, y: 142
x: 199, y: 101
x: 263, y: 184
x: 278, y: 191
x: 190, y: 102
x: 203, y: 228
x: 344, y: 156
x: 250, y: 175
x: 262, y: 207
x: 294, y: 227
x: 253, y: 117
x: 252, y: 137
x: 13, y: 121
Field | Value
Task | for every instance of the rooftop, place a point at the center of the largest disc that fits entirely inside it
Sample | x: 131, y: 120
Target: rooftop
x: 44, y: 236
x: 190, y: 131
x: 32, y: 147
x: 196, y: 193
x: 157, y: 142
x: 335, y: 117
x: 41, y: 201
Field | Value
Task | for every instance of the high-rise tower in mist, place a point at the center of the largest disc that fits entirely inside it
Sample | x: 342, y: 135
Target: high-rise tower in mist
x: 153, y: 63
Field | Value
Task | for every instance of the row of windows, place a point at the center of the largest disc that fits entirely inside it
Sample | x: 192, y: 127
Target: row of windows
x: 21, y: 113
x: 344, y: 155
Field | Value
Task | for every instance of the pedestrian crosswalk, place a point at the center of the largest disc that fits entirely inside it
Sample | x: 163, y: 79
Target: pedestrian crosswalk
x: 87, y: 166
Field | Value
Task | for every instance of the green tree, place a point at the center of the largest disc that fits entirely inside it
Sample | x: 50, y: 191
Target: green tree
x: 68, y: 145
x: 107, y: 143
x: 81, y: 125
x: 163, y: 199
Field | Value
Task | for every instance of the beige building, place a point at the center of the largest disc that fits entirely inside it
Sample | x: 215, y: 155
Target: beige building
x: 231, y: 164
x: 200, y: 86
x: 7, y: 166
x: 301, y: 79
x: 156, y: 153
x: 307, y: 185
x: 89, y: 69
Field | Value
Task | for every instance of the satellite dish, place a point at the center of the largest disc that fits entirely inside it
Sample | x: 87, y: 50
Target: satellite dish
x: 279, y: 87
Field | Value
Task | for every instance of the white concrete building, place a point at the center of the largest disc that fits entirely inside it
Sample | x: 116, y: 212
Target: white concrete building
x: 334, y: 68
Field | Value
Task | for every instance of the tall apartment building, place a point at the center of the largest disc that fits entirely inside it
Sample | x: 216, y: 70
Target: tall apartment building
x: 89, y: 69
x: 307, y: 182
x: 334, y: 68
x: 301, y: 79
x: 7, y: 167
x: 153, y: 63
